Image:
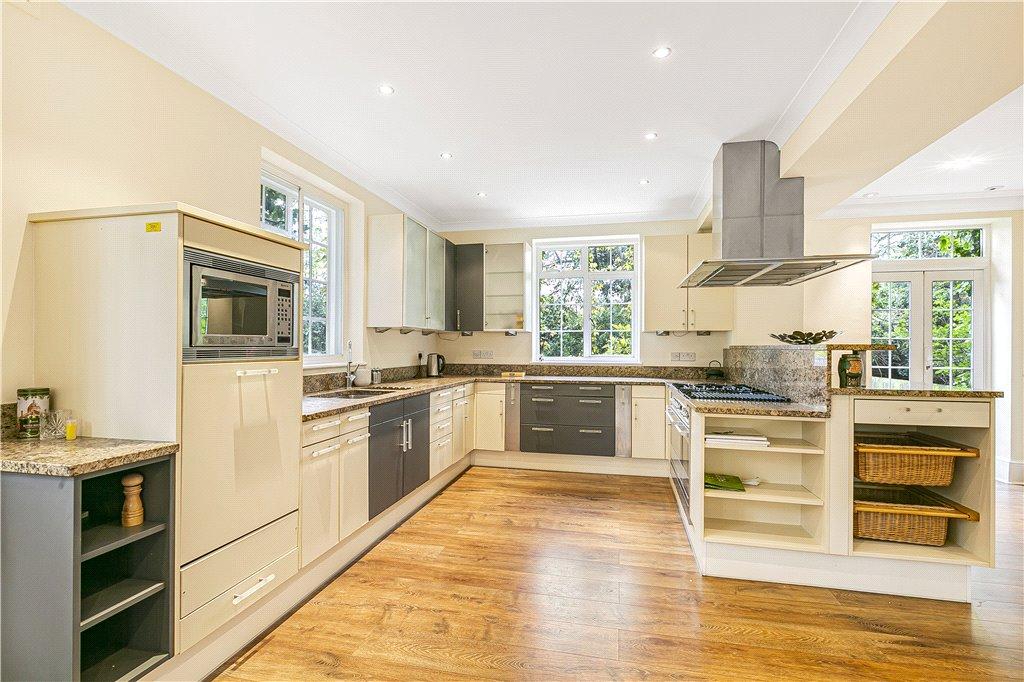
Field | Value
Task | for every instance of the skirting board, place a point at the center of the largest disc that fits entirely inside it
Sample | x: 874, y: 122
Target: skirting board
x: 582, y: 464
x: 201, y: 660
x: 948, y: 582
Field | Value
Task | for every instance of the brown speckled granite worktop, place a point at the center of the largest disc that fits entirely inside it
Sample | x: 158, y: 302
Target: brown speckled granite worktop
x: 77, y: 457
x: 317, y: 407
x: 910, y: 389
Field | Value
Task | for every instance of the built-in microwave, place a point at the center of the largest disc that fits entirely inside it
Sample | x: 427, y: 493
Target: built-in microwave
x: 237, y: 309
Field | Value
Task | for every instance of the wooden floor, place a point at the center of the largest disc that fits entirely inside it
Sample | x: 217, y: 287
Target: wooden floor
x: 514, y: 574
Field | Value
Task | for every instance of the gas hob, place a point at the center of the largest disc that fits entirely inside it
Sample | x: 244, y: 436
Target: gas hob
x: 730, y: 392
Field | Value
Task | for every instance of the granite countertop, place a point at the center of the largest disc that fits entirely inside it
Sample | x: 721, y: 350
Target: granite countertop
x: 77, y: 457
x: 317, y: 407
x: 912, y: 389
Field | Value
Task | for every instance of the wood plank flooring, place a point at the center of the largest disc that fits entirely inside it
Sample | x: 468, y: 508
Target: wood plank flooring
x: 512, y: 574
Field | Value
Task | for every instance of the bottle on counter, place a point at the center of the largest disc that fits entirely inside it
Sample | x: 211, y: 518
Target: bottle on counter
x: 33, y: 406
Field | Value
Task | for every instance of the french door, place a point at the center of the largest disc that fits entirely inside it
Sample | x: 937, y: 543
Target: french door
x: 937, y: 321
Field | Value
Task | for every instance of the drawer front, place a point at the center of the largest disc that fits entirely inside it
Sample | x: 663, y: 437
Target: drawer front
x: 567, y: 410
x: 586, y: 390
x: 657, y: 391
x: 441, y: 455
x: 205, y: 578
x: 442, y: 396
x: 441, y: 429
x: 922, y: 412
x: 321, y: 429
x: 237, y: 598
x: 490, y: 388
x: 569, y: 440
x: 440, y: 412
x: 462, y: 391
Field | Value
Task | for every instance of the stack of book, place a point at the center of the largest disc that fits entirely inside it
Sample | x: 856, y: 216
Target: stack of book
x: 735, y: 436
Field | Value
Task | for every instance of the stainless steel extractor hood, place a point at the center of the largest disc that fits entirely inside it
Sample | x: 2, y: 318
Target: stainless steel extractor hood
x: 757, y: 223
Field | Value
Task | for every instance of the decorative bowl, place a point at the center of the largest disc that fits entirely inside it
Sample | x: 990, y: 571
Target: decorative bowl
x: 798, y: 338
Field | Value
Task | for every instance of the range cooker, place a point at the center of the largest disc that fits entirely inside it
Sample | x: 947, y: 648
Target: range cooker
x: 731, y: 392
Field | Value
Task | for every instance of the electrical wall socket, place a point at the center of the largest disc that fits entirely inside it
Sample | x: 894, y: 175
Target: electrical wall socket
x: 483, y: 354
x: 488, y: 355
x: 684, y: 356
x: 477, y: 353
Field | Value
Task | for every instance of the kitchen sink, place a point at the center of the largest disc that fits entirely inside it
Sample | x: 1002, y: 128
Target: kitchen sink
x: 356, y: 393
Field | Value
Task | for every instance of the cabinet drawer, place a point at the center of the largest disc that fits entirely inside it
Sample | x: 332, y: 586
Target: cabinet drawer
x: 441, y: 455
x: 648, y: 391
x: 462, y: 391
x: 331, y: 427
x: 440, y: 412
x: 441, y: 397
x: 922, y: 412
x: 237, y: 598
x: 579, y: 390
x: 205, y: 578
x: 440, y: 429
x: 568, y: 410
x: 569, y: 440
x: 490, y: 388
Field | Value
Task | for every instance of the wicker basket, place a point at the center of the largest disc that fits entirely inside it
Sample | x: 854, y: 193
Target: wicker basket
x: 906, y: 458
x: 896, y: 514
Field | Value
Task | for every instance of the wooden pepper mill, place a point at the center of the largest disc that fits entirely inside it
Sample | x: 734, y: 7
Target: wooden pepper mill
x: 132, y: 513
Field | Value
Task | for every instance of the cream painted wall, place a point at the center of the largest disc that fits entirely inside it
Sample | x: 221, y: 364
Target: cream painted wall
x: 654, y: 350
x: 89, y: 121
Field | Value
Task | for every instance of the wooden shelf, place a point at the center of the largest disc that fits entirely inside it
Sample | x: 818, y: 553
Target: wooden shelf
x: 124, y: 664
x: 775, y: 444
x: 777, y: 535
x: 784, y: 493
x: 99, y: 606
x: 947, y: 554
x: 109, y: 536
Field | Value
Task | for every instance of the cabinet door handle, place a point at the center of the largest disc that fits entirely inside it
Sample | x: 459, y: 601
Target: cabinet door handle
x: 357, y: 417
x: 410, y: 433
x: 405, y: 425
x: 444, y: 394
x: 591, y: 401
x: 442, y: 443
x: 543, y: 388
x: 590, y: 388
x: 329, y: 448
x: 542, y: 400
x: 591, y: 431
x: 443, y: 425
x: 327, y: 425
x: 540, y: 428
x: 260, y: 584
x: 444, y: 409
x: 256, y: 372
x: 458, y: 319
x: 357, y: 439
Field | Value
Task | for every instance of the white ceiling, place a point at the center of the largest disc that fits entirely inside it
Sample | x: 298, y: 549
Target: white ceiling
x: 953, y: 173
x: 543, y: 105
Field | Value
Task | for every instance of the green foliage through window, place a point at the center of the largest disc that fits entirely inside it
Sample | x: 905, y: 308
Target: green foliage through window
x: 915, y: 244
x: 890, y: 324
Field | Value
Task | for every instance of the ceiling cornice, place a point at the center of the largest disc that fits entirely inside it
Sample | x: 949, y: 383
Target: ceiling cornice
x: 929, y: 204
x: 566, y: 221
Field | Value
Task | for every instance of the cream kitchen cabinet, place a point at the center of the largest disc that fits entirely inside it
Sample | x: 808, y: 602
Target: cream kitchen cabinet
x: 490, y: 417
x: 354, y: 483
x: 410, y: 262
x: 460, y: 419
x: 666, y: 307
x: 239, y: 450
x: 319, y: 509
x: 648, y: 428
x: 441, y: 456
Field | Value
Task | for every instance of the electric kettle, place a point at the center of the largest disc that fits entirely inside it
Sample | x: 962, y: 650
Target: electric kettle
x: 435, y: 364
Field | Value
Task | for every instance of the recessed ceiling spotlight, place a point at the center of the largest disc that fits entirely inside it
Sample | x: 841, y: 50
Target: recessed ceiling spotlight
x: 645, y: 181
x: 481, y: 195
x: 961, y: 162
x: 662, y: 52
x: 447, y: 156
x: 386, y: 89
x: 993, y: 188
x: 870, y: 195
x: 651, y: 135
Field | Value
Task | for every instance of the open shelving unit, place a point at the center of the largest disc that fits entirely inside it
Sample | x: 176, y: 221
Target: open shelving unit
x: 125, y: 606
x: 967, y: 542
x: 788, y: 509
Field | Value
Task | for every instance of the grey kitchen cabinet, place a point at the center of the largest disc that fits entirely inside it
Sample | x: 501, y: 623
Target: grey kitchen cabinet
x: 399, y: 451
x: 577, y: 419
x: 469, y: 287
x: 92, y: 600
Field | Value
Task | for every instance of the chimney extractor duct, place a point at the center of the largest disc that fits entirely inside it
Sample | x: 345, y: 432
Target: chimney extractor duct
x: 757, y: 224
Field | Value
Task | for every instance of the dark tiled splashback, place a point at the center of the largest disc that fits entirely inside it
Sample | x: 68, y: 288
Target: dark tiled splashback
x: 800, y: 374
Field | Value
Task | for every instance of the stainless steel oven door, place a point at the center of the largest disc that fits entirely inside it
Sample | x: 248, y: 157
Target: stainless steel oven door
x: 232, y: 309
x: 678, y: 418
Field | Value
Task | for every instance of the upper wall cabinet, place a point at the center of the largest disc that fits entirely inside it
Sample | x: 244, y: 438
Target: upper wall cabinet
x: 400, y: 248
x: 666, y: 260
x: 492, y: 287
